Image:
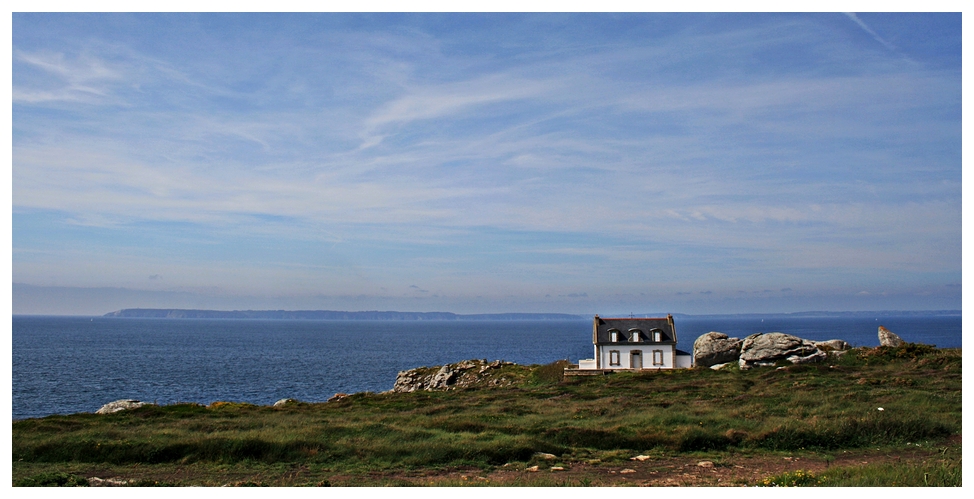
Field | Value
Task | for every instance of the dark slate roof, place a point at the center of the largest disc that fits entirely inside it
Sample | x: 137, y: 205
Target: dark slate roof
x: 603, y: 328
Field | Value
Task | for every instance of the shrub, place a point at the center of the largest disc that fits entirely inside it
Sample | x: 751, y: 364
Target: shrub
x: 904, y: 351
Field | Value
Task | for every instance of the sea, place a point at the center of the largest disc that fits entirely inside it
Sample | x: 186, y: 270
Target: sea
x: 64, y: 365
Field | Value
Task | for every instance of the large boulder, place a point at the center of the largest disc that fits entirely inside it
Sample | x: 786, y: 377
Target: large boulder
x: 764, y: 349
x: 120, y: 405
x: 888, y: 338
x: 715, y: 348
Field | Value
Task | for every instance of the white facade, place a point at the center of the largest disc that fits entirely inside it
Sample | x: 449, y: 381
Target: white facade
x: 684, y: 361
x: 587, y: 364
x: 635, y: 344
x: 636, y: 356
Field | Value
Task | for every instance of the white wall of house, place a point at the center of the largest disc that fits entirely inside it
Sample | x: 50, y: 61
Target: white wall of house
x: 625, y: 356
x: 684, y: 361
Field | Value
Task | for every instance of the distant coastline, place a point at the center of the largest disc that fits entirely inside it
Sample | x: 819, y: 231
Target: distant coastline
x: 175, y: 313
x: 330, y: 315
x: 825, y: 313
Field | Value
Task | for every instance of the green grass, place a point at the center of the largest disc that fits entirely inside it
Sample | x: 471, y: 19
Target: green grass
x: 934, y: 473
x: 52, y: 479
x: 800, y: 408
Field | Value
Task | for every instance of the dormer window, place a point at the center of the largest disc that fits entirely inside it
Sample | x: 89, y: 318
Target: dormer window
x: 614, y: 335
x: 657, y: 336
x: 635, y: 335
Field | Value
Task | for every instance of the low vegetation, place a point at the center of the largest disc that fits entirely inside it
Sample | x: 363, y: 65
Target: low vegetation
x: 903, y: 402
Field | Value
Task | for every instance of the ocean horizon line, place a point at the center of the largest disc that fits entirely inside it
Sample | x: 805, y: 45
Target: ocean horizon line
x: 393, y: 315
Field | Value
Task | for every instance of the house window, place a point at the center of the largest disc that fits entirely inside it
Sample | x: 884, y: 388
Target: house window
x: 657, y: 336
x: 615, y: 336
x: 635, y: 336
x: 657, y: 357
x: 613, y: 357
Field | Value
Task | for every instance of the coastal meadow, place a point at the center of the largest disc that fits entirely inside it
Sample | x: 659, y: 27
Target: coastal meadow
x: 903, y: 401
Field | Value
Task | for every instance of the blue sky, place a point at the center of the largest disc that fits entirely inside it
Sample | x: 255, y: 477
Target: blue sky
x: 589, y: 163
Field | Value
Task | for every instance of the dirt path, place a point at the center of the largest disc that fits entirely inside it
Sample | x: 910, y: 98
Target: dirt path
x: 719, y: 470
x: 729, y: 471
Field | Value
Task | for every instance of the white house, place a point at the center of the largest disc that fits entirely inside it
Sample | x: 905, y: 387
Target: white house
x: 635, y: 343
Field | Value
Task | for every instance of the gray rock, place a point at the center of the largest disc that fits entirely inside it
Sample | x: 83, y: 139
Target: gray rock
x: 283, y: 402
x: 764, y: 349
x: 443, y: 378
x: 715, y: 348
x: 462, y: 374
x: 120, y: 405
x: 406, y: 382
x: 467, y: 364
x: 717, y: 367
x: 816, y: 356
x: 839, y: 345
x: 888, y: 338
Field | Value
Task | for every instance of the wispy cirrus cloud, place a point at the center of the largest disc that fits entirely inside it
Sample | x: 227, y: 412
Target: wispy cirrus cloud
x: 754, y: 149
x: 63, y: 78
x: 867, y: 29
x: 470, y: 99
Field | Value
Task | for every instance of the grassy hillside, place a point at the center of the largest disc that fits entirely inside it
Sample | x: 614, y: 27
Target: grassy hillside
x: 871, y: 402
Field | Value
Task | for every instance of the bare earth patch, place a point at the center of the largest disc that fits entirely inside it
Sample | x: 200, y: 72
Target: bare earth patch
x: 728, y: 471
x: 698, y: 470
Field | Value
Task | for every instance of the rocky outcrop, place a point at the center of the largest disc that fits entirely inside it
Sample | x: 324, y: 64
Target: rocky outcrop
x: 442, y: 379
x: 888, y: 338
x: 715, y: 348
x: 452, y: 376
x: 832, y: 345
x: 764, y: 349
x: 120, y: 405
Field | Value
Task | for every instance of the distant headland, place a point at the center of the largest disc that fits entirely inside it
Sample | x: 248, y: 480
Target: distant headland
x: 374, y: 315
x: 332, y: 315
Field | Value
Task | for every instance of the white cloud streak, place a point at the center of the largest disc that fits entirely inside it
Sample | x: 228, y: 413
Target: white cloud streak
x: 83, y: 79
x: 803, y: 169
x: 867, y: 29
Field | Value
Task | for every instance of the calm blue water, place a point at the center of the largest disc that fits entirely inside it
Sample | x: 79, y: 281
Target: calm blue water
x: 76, y: 364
